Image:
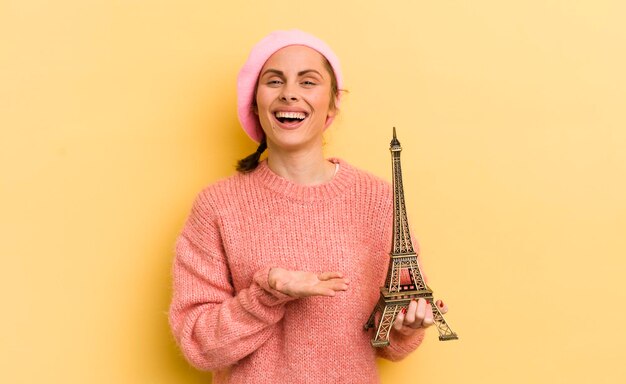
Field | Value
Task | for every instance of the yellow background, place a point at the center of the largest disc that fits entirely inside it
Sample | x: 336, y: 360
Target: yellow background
x: 113, y: 115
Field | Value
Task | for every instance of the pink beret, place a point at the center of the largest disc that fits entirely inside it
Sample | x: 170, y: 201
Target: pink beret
x: 247, y: 79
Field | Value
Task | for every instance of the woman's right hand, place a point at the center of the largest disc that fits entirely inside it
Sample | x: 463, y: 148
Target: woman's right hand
x: 299, y: 284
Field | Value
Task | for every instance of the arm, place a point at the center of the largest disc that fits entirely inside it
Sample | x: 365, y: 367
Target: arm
x: 214, y: 327
x: 401, y: 345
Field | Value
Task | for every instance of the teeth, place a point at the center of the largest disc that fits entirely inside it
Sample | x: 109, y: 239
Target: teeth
x: 290, y: 115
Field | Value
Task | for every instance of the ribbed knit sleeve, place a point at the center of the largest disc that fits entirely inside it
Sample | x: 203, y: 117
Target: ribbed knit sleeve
x: 214, y: 326
x: 401, y: 346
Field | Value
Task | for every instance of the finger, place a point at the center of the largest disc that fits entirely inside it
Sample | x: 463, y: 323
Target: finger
x: 398, y: 323
x: 420, y: 313
x: 338, y: 280
x: 321, y: 291
x: 409, y: 319
x: 329, y: 275
x: 335, y: 285
x: 429, y: 318
x: 443, y: 308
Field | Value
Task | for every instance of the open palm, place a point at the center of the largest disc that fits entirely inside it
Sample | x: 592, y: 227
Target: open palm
x: 303, y: 284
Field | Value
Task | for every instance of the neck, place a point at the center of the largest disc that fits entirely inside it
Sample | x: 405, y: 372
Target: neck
x: 306, y: 167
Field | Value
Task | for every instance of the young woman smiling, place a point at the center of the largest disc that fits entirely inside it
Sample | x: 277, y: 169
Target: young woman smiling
x: 278, y: 266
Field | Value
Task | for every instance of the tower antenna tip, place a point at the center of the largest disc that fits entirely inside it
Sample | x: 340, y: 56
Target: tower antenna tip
x: 394, y: 140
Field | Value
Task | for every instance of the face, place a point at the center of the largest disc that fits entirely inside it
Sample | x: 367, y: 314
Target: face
x: 294, y: 98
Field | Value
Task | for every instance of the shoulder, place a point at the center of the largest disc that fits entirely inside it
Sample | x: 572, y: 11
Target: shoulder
x: 366, y: 181
x: 371, y: 197
x: 221, y: 193
x: 223, y: 187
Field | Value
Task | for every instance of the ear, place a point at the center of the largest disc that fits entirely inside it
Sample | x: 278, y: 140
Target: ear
x: 332, y: 109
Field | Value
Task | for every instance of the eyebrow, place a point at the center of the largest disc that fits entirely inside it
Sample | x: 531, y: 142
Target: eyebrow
x: 281, y: 73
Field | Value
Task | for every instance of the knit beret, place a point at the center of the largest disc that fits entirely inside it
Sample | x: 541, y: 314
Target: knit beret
x: 249, y: 73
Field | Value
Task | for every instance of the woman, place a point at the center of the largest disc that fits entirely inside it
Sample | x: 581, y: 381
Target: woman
x: 279, y: 266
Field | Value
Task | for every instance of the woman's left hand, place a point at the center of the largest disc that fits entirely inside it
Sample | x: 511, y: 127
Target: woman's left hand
x: 419, y: 314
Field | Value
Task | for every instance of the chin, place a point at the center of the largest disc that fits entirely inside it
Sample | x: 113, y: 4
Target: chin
x: 294, y: 142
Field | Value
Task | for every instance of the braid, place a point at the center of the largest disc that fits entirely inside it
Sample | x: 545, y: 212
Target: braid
x: 249, y: 163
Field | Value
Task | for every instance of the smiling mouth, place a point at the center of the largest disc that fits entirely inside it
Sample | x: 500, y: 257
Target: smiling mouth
x: 290, y: 117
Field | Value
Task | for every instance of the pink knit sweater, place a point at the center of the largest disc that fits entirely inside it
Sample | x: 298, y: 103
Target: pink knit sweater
x: 227, y: 319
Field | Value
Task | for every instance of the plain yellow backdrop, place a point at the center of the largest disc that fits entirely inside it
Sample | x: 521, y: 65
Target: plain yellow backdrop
x: 113, y: 115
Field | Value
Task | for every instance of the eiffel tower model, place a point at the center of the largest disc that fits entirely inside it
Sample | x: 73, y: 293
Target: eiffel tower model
x: 395, y: 296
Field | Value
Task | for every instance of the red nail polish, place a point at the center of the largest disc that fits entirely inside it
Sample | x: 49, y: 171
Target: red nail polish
x: 427, y: 302
x: 403, y: 310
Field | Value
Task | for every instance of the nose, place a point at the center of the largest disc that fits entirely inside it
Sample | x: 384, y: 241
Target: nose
x: 288, y: 94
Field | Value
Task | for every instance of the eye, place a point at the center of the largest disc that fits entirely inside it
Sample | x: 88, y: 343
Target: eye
x: 309, y: 83
x: 274, y: 82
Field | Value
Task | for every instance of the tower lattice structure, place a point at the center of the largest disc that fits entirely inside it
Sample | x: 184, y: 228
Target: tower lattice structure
x: 394, y: 295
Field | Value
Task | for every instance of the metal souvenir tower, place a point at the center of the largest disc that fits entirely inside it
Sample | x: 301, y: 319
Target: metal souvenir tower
x: 394, y: 295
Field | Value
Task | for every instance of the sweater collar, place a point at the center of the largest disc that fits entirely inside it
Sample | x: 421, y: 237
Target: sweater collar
x: 342, y: 180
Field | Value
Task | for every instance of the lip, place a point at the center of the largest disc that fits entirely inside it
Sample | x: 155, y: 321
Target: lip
x: 290, y: 125
x: 301, y: 110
